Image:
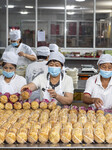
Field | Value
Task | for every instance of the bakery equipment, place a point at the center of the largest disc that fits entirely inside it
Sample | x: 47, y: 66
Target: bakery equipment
x: 88, y: 68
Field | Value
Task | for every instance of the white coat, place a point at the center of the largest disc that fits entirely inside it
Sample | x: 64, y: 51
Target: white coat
x: 64, y: 86
x: 24, y: 48
x: 14, y: 86
x: 95, y: 89
x: 33, y: 70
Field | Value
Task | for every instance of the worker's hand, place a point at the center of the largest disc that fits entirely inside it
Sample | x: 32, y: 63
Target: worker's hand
x: 52, y: 93
x: 98, y: 102
x: 21, y: 54
x: 24, y: 88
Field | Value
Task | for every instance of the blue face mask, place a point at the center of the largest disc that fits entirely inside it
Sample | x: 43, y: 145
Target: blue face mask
x: 54, y: 71
x: 8, y: 74
x: 105, y: 74
x: 14, y: 44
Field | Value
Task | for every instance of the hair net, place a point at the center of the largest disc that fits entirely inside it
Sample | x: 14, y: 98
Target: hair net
x: 10, y: 57
x: 57, y: 56
x: 43, y: 51
x: 53, y: 47
x: 15, y: 35
x: 104, y: 58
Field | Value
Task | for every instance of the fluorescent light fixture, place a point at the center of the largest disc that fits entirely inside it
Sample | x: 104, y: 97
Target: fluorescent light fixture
x: 84, y: 8
x: 79, y: 0
x: 104, y: 3
x: 70, y: 6
x: 51, y: 8
x: 10, y: 6
x: 102, y: 19
x: 70, y: 13
x: 61, y: 8
x: 104, y: 11
x: 28, y: 6
x: 24, y: 12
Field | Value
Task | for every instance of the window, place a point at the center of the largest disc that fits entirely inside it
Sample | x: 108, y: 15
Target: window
x: 22, y: 16
x: 2, y: 23
x: 103, y: 23
x: 80, y: 23
x: 71, y: 26
x: 51, y: 20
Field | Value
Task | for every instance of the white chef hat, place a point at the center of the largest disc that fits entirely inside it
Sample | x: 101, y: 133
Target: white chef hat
x: 56, y: 56
x: 10, y: 57
x: 43, y: 51
x: 53, y: 47
x: 15, y: 35
x: 104, y: 58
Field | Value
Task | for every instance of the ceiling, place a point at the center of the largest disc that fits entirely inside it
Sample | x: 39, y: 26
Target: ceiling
x: 48, y: 6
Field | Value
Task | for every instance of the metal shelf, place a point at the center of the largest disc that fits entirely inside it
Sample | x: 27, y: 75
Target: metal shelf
x: 81, y: 58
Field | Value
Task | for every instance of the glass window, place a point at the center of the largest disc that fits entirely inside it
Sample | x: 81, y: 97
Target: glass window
x: 104, y: 23
x: 2, y: 23
x: 80, y: 23
x: 22, y: 16
x: 51, y: 20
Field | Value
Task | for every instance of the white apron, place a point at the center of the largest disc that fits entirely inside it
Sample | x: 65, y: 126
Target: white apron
x: 46, y: 94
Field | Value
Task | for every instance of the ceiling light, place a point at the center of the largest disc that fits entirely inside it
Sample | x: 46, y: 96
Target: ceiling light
x: 102, y: 19
x: 24, y: 12
x: 103, y: 11
x: 28, y: 6
x: 70, y: 7
x: 70, y: 13
x: 80, y: 0
x: 51, y: 8
x: 10, y: 6
x: 104, y: 3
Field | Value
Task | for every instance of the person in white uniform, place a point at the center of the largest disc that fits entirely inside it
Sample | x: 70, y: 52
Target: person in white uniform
x: 54, y: 85
x: 10, y: 82
x: 36, y: 68
x: 53, y: 47
x: 98, y: 91
x: 26, y: 54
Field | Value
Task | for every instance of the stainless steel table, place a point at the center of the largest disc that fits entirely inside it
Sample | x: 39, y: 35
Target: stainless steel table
x: 55, y: 146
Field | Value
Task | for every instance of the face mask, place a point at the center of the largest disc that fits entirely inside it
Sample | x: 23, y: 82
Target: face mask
x: 15, y: 44
x: 54, y: 71
x: 8, y: 74
x: 105, y: 74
